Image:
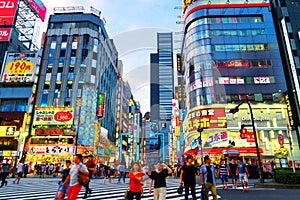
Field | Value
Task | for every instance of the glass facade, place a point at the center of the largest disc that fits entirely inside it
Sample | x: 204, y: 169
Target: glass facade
x: 231, y: 52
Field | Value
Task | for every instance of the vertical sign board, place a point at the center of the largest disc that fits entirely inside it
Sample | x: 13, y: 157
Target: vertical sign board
x: 101, y: 104
x: 135, y: 130
x: 38, y: 7
x: 7, y: 12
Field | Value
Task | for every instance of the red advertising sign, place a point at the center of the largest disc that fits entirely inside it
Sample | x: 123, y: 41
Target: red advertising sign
x: 53, y: 116
x: 38, y: 7
x: 206, y: 118
x: 63, y: 116
x: 4, y: 34
x: 7, y: 12
x: 49, y: 131
x: 281, y: 140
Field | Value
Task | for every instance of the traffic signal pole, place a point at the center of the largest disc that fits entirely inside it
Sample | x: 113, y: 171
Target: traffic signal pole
x: 235, y: 110
x: 261, y: 180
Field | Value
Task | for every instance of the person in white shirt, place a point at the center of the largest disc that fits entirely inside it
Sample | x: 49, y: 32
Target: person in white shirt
x: 74, y: 186
x: 20, y: 172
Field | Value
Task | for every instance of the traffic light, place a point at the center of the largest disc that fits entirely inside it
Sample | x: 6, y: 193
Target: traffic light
x: 234, y: 110
x: 243, y: 132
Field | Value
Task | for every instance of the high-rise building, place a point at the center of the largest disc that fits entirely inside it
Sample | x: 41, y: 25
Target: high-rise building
x: 162, y: 88
x: 77, y: 82
x: 231, y: 55
x: 286, y: 17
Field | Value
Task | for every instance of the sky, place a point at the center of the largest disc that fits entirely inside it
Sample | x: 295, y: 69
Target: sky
x: 133, y: 25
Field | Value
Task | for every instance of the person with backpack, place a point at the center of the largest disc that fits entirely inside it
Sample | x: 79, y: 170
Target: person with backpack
x: 224, y: 174
x: 188, y: 176
x: 208, y: 175
x: 243, y: 174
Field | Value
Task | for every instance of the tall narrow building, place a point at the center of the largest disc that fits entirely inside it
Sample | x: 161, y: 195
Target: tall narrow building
x: 162, y: 89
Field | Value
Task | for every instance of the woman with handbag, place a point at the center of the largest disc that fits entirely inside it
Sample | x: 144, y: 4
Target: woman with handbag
x: 135, y: 178
x: 79, y: 175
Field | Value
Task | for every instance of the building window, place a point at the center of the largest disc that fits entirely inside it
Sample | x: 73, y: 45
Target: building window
x: 62, y: 53
x: 73, y: 52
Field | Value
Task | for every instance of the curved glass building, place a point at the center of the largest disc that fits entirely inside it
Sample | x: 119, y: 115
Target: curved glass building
x: 231, y: 54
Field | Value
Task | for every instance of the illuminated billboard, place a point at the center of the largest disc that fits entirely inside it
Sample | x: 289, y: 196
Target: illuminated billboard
x: 4, y: 34
x: 100, y: 106
x: 7, y: 12
x: 53, y: 116
x: 19, y: 67
x: 38, y: 7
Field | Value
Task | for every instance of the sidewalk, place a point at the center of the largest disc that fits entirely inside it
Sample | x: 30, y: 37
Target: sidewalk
x: 273, y: 184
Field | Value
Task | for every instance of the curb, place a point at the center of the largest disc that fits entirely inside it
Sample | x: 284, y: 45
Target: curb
x: 276, y: 185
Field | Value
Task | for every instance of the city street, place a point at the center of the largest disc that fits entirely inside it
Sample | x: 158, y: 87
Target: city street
x: 35, y: 188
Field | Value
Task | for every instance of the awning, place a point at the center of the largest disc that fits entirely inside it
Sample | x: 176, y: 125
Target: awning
x: 217, y: 151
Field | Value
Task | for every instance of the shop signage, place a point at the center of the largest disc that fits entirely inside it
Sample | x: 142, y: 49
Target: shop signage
x: 218, y: 137
x: 19, y: 67
x: 38, y: 7
x: 289, y: 109
x: 101, y: 104
x: 51, y: 149
x: 7, y: 12
x: 49, y: 131
x: 281, y: 140
x: 53, y: 116
x: 4, y: 34
x: 7, y: 130
x: 206, y: 118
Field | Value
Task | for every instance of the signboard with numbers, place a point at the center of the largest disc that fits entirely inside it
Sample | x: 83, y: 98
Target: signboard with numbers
x: 53, y: 116
x: 19, y: 67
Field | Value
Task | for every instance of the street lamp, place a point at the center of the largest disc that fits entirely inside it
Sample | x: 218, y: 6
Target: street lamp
x: 200, y: 130
x: 235, y: 110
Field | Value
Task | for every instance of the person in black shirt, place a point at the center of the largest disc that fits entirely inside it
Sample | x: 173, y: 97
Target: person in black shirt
x: 188, y: 176
x: 232, y: 168
x: 159, y: 177
x: 63, y: 191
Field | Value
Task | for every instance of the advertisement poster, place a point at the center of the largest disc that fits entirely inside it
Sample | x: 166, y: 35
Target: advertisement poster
x: 19, y: 67
x: 53, y: 116
x: 7, y: 12
x: 38, y: 7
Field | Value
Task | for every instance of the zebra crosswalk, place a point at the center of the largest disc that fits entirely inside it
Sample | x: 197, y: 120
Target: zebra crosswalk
x: 45, y: 189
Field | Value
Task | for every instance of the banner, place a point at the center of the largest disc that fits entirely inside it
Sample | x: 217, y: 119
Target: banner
x: 53, y: 116
x: 38, y: 7
x: 7, y: 12
x: 19, y: 67
x: 4, y: 34
x: 51, y: 149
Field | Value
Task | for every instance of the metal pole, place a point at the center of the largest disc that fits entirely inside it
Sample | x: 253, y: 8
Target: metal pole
x: 261, y: 180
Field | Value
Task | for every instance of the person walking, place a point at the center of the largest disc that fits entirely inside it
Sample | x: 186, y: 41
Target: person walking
x: 106, y: 173
x: 208, y: 175
x: 26, y: 170
x: 122, y: 172
x: 224, y: 174
x: 20, y: 172
x: 159, y: 178
x: 74, y: 186
x: 4, y: 172
x: 188, y: 176
x: 243, y: 174
x: 90, y: 164
x: 63, y: 191
x: 232, y: 170
x: 135, y: 178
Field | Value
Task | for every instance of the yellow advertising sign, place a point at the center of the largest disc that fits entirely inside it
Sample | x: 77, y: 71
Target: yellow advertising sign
x: 7, y: 131
x: 19, y: 67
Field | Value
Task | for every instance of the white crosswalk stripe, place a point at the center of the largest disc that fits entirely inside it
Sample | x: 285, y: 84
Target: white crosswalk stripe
x: 44, y: 189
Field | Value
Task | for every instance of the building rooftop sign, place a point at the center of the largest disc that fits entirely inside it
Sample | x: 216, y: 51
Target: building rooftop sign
x: 70, y: 9
x: 38, y: 7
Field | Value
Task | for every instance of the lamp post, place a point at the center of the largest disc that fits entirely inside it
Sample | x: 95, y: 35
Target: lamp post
x: 235, y: 110
x: 200, y: 130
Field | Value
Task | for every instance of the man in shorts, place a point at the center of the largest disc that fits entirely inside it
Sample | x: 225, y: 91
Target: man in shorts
x: 63, y: 191
x: 243, y: 174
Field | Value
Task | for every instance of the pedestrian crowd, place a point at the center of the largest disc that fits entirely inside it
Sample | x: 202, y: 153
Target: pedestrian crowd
x: 77, y: 174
